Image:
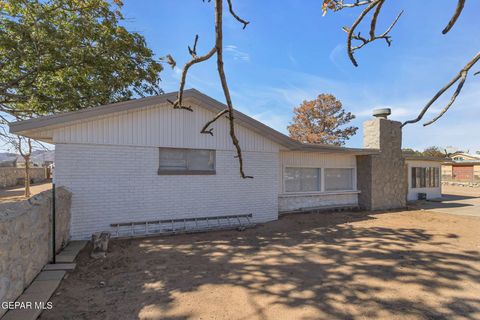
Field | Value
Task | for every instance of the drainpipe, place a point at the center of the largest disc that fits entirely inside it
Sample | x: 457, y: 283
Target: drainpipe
x: 54, y: 233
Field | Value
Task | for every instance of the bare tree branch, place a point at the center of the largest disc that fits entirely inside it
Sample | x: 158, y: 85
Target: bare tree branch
x: 230, y: 8
x: 218, y: 50
x: 337, y: 5
x: 178, y: 104
x: 193, y: 52
x: 223, y: 80
x: 460, y: 76
x: 210, y: 131
x: 463, y: 77
x: 456, y: 14
x: 357, y: 3
x: 354, y: 26
x: 377, y: 4
x: 373, y: 23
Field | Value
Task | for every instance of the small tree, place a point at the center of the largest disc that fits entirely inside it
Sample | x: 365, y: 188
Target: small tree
x: 434, y: 152
x: 320, y: 121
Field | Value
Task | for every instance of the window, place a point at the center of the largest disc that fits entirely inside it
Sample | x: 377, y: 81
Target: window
x: 302, y: 179
x: 338, y: 179
x: 186, y: 161
x: 310, y: 179
x: 428, y: 177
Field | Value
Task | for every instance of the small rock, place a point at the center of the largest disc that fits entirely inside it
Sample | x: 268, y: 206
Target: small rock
x: 102, y: 283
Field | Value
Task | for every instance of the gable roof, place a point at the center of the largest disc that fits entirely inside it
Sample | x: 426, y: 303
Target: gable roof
x: 26, y: 126
x: 469, y: 156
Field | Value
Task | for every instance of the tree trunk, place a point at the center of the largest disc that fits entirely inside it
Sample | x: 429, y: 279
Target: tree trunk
x: 27, y: 176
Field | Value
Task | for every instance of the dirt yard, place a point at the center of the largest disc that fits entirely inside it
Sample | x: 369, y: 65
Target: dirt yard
x: 463, y: 191
x: 16, y: 193
x: 400, y: 265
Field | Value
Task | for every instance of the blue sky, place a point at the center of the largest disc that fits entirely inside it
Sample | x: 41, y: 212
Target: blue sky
x: 290, y: 53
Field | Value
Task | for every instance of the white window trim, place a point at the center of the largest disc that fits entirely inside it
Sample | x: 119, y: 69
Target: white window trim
x: 326, y: 193
x: 322, y: 182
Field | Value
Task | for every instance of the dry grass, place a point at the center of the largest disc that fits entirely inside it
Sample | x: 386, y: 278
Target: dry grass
x: 397, y: 265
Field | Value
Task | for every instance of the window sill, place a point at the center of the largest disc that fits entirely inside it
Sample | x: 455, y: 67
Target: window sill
x: 186, y: 172
x: 326, y: 193
x: 423, y: 188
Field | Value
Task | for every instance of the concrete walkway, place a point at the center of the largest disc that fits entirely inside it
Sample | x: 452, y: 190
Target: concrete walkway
x: 465, y: 205
x: 36, y: 297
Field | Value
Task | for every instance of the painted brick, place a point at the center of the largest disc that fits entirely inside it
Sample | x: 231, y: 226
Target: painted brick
x: 112, y: 184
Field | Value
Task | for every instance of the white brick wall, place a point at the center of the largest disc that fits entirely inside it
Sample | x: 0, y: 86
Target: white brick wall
x: 113, y: 184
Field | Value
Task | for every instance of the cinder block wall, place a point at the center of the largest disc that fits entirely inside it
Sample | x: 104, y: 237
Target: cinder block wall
x: 381, y: 177
x: 447, y: 172
x: 476, y: 173
x: 9, y: 176
x: 25, y: 239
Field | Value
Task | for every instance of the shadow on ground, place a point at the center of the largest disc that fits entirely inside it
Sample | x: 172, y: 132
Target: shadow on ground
x: 327, y: 266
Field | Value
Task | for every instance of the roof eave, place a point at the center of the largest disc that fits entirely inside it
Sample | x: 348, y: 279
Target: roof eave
x: 28, y: 127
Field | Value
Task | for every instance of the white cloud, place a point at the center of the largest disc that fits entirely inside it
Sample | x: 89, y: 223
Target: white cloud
x: 236, y: 53
x: 273, y: 120
x: 292, y: 59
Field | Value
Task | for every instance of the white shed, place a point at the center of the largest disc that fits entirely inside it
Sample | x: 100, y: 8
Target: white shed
x: 142, y: 160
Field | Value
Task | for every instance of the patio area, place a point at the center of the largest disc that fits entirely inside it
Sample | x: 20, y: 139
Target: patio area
x: 396, y: 265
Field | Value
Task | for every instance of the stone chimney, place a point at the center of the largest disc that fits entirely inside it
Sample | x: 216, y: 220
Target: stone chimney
x: 382, y: 177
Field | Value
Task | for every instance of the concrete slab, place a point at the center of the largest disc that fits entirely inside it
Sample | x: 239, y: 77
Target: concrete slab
x: 453, y: 204
x: 50, y: 276
x: 35, y: 298
x: 70, y: 252
x: 60, y: 266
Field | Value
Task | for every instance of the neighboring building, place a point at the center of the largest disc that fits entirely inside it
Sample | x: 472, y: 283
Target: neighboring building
x: 464, y: 168
x: 462, y: 156
x: 424, y: 179
x: 141, y: 160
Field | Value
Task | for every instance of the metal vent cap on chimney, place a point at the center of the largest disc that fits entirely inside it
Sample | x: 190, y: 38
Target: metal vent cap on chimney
x: 382, y: 113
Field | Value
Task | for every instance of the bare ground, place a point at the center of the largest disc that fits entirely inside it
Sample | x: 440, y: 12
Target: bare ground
x: 13, y: 194
x: 396, y: 265
x: 461, y: 190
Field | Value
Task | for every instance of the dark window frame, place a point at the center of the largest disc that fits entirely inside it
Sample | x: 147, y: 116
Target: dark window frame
x: 425, y: 177
x: 187, y: 171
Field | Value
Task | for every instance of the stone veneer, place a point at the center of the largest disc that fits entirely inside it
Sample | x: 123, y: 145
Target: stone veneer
x: 25, y: 239
x: 382, y: 178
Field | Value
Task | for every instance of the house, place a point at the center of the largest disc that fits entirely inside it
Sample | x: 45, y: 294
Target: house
x: 462, y: 156
x: 464, y: 168
x: 424, y: 179
x: 141, y: 160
